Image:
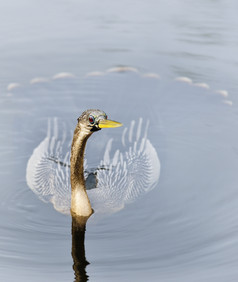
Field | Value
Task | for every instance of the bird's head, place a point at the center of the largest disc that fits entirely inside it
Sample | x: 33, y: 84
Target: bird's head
x: 93, y: 120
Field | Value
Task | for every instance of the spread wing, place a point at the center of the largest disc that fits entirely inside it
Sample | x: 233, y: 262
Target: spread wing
x: 122, y: 176
x: 131, y: 172
x: 48, y: 169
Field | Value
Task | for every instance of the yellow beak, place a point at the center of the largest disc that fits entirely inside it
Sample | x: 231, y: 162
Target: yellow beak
x: 107, y: 123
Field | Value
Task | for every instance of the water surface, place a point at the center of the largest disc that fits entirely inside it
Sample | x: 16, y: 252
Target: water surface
x: 185, y: 229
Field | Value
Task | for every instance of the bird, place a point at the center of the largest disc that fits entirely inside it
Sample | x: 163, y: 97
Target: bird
x: 89, y: 122
x: 57, y: 171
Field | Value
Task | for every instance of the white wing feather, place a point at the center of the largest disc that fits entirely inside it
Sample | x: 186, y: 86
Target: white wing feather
x: 48, y: 169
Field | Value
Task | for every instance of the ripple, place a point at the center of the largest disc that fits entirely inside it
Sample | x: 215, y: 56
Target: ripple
x: 13, y: 85
x: 189, y: 126
x: 119, y: 69
x: 122, y: 69
x: 38, y: 80
x: 61, y: 75
x: 184, y: 79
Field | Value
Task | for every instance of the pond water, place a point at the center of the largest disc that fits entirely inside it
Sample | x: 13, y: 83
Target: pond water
x: 167, y: 71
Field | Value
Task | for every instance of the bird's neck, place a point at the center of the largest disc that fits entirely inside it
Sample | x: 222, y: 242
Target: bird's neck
x: 80, y: 204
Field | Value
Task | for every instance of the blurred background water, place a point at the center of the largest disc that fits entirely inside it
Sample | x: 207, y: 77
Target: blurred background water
x: 186, y: 228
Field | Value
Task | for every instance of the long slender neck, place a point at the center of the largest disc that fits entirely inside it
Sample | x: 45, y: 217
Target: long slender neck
x: 80, y: 204
x: 77, y: 157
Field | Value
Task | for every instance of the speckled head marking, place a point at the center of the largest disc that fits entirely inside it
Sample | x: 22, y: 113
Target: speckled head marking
x: 90, y: 119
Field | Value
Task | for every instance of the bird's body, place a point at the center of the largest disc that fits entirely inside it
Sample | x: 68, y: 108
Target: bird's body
x: 89, y: 122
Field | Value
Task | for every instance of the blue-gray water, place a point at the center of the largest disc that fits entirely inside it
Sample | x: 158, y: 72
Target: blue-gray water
x: 185, y: 229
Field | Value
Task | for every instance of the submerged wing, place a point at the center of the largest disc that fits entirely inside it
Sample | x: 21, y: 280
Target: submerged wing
x: 122, y: 176
x: 131, y: 172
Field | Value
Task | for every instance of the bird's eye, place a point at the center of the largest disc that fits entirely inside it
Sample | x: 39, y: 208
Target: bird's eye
x: 91, y: 119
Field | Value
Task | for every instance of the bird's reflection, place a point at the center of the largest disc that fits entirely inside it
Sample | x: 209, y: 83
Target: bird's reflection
x: 78, y: 248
